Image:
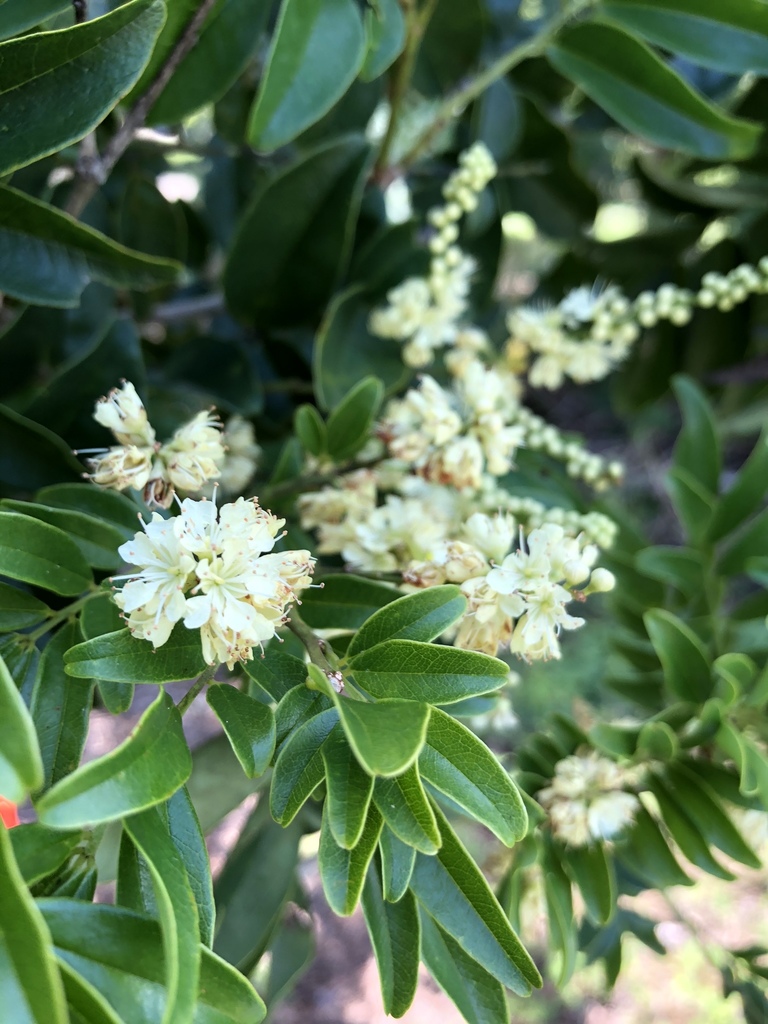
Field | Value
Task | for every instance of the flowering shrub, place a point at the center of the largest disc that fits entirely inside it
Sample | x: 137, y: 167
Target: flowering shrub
x: 239, y: 208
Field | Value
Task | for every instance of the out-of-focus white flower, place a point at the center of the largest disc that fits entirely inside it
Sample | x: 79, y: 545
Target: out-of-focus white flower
x: 753, y: 825
x: 241, y: 455
x: 194, y: 453
x: 215, y: 571
x: 587, y: 799
x: 123, y: 412
x: 120, y: 468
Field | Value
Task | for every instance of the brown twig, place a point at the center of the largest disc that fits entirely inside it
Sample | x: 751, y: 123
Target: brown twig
x: 90, y: 178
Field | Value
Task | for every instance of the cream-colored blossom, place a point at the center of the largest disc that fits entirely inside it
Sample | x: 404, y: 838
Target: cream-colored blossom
x: 123, y: 412
x: 241, y: 456
x: 194, y: 453
x: 121, y: 468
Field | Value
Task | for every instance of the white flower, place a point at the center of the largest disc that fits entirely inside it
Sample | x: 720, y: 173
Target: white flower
x: 120, y: 468
x: 194, y: 453
x: 123, y: 412
x: 241, y: 456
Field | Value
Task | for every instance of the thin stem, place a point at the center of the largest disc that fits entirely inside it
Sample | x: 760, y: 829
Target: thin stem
x: 314, y: 646
x: 199, y: 684
x: 63, y: 614
x: 416, y: 22
x: 86, y: 186
x: 310, y: 480
x: 456, y: 103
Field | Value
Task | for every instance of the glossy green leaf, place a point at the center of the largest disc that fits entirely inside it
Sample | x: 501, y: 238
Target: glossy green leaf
x: 98, y: 617
x: 22, y: 659
x: 644, y: 850
x: 687, y: 668
x: 31, y: 455
x: 184, y: 829
x: 683, y: 830
x: 342, y: 872
x: 21, y: 766
x: 120, y: 953
x: 406, y: 811
x: 632, y: 84
x: 299, y: 767
x: 144, y: 770
x: 693, y: 504
x: 563, y: 938
x: 698, y: 447
x: 249, y: 724
x: 39, y: 851
x: 19, y: 15
x: 293, y: 239
x: 38, y: 69
x: 257, y: 880
x: 421, y: 616
x: 300, y: 83
x: 296, y: 708
x: 745, y: 545
x: 121, y: 658
x: 348, y: 790
x: 478, y: 996
x: 745, y: 495
x: 110, y: 506
x: 590, y: 868
x: 30, y: 983
x: 42, y: 555
x: 387, y: 736
x: 221, y: 52
x: 460, y: 765
x: 19, y: 610
x: 729, y: 37
x: 385, y: 33
x: 276, y: 673
x: 397, y: 861
x: 452, y: 890
x: 426, y: 672
x: 656, y: 741
x: 345, y: 350
x: 177, y: 911
x: 682, y: 568
x: 310, y: 429
x: 60, y: 709
x: 395, y: 932
x: 497, y: 119
x: 344, y: 602
x: 97, y: 541
x: 350, y: 422
x: 86, y: 1005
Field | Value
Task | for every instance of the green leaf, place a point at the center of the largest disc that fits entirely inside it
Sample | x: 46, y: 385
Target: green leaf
x: 745, y: 495
x: 98, y: 541
x: 693, y: 504
x: 687, y: 668
x: 478, y: 996
x: 342, y: 872
x: 563, y: 938
x: 344, y: 602
x: 115, y: 509
x: 30, y: 983
x: 397, y: 861
x: 32, y: 455
x: 385, y: 32
x: 296, y: 708
x: 683, y: 830
x: 48, y: 257
x: 656, y: 741
x: 294, y: 237
x: 395, y: 932
x: 349, y: 425
x: 426, y: 672
x: 421, y: 616
x: 743, y: 546
x: 349, y: 790
x: 387, y: 736
x: 310, y: 429
x: 276, y: 673
x: 452, y: 890
x: 177, y: 911
x: 17, y: 16
x: 345, y: 350
x: 19, y: 610
x: 731, y: 37
x: 21, y: 767
x: 404, y: 806
x: 460, y: 765
x: 120, y: 953
x: 590, y: 868
x: 39, y: 851
x: 682, y: 568
x: 121, y: 658
x: 85, y: 1004
x: 698, y: 447
x: 22, y: 660
x: 144, y: 770
x: 300, y: 83
x: 184, y: 829
x: 221, y: 53
x: 38, y: 69
x: 42, y: 555
x: 249, y: 724
x: 497, y: 119
x: 60, y: 709
x: 257, y: 880
x: 632, y: 84
x: 299, y: 770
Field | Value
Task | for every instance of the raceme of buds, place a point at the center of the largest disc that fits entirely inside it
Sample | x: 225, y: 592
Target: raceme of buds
x: 214, y: 570
x: 587, y: 801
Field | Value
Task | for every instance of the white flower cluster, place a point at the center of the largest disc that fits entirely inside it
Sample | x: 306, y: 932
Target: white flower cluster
x: 197, y: 453
x: 214, y: 570
x: 424, y: 311
x: 587, y: 801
